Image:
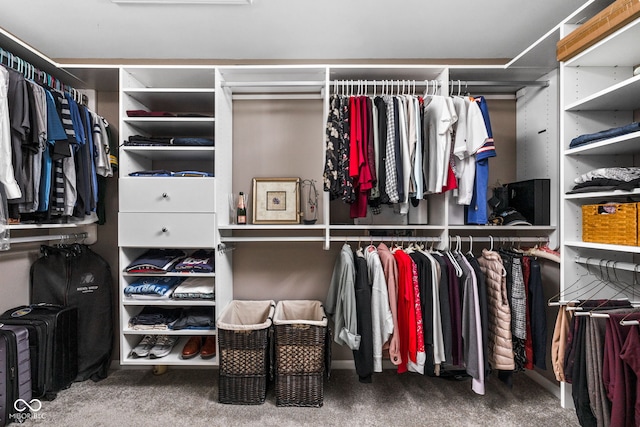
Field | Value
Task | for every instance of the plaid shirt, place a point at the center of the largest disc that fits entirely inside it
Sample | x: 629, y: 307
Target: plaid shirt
x: 391, y: 184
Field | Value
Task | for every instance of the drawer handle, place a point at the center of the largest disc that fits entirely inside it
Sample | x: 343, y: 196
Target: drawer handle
x: 165, y: 195
x: 164, y: 229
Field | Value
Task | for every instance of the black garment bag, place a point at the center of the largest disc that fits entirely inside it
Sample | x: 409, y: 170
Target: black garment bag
x: 75, y: 276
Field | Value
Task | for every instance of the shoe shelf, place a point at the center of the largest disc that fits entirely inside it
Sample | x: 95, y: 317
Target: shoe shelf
x: 173, y: 358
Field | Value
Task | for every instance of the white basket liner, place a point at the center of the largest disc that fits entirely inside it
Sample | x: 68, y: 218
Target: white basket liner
x: 247, y: 315
x: 308, y: 312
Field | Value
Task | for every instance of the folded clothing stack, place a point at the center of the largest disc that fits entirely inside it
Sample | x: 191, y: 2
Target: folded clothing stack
x: 607, y: 179
x: 162, y: 140
x: 605, y: 134
x: 152, y: 287
x: 195, y: 288
x: 194, y: 318
x: 154, y: 318
x: 201, y: 261
x: 166, y: 173
x: 162, y: 319
x: 156, y: 261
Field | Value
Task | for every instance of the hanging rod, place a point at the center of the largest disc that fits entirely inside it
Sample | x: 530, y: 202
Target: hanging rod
x: 453, y: 238
x: 49, y: 237
x: 500, y: 239
x: 533, y: 83
x: 619, y: 265
x: 300, y: 83
x: 385, y: 238
x: 32, y: 73
x: 423, y: 83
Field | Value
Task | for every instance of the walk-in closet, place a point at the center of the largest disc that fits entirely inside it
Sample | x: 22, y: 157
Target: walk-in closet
x: 467, y: 224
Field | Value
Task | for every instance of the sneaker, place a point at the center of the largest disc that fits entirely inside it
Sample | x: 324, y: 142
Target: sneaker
x: 164, y: 345
x: 144, y: 346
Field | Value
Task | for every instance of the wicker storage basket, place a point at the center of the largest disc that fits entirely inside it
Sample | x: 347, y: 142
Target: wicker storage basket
x: 300, y: 341
x: 243, y: 339
x: 615, y: 224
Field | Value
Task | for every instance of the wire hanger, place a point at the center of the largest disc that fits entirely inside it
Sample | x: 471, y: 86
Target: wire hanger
x: 599, y: 283
x: 550, y: 301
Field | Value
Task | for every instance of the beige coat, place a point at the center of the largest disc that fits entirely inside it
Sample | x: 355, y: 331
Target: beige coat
x: 559, y: 341
x: 499, y: 340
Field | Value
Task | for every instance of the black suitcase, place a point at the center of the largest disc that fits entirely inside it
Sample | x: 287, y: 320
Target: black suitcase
x: 74, y: 275
x: 15, y: 373
x: 53, y: 345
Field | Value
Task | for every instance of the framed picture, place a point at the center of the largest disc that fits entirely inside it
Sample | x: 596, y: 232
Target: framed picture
x: 276, y: 200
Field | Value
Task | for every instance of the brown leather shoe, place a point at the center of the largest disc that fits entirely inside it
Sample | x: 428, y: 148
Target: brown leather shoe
x: 192, y: 347
x: 209, y: 347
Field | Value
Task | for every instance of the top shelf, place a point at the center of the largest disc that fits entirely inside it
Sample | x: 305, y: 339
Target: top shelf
x: 183, y: 99
x: 622, y: 96
x: 193, y: 77
x: 616, y: 49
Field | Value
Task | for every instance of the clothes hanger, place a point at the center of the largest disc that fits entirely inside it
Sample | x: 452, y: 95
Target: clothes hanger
x: 617, y: 282
x: 458, y: 244
x: 624, y: 321
x: 452, y: 258
x: 550, y: 301
x: 599, y: 284
x: 470, y: 246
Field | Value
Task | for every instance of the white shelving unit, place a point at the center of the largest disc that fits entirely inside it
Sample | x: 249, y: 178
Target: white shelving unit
x: 598, y: 92
x: 161, y: 211
x: 316, y: 83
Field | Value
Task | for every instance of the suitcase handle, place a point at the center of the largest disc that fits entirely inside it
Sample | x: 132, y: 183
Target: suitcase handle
x: 46, y: 305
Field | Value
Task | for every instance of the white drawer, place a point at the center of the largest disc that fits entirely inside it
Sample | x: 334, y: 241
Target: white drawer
x: 167, y: 230
x: 171, y: 194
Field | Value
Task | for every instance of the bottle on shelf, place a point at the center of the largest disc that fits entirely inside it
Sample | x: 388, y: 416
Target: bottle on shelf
x: 241, y: 211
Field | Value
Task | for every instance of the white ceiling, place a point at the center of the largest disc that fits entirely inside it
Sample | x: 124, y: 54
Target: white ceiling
x: 284, y: 29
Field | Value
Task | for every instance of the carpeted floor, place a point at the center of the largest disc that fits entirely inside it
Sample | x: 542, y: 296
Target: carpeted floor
x: 190, y: 398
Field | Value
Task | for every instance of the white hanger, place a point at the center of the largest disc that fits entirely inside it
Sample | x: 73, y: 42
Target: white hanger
x: 470, y: 245
x: 456, y: 266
